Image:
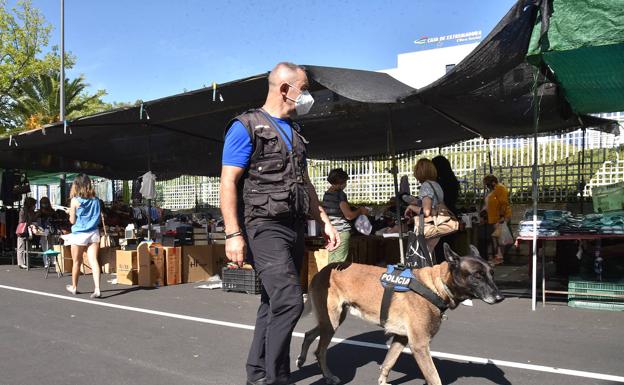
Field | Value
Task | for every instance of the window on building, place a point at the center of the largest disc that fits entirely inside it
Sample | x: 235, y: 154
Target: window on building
x: 449, y: 67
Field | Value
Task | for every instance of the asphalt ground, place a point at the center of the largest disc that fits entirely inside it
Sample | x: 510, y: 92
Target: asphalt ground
x: 184, y: 335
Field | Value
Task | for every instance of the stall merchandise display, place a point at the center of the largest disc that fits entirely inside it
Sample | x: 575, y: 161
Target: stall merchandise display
x: 552, y: 223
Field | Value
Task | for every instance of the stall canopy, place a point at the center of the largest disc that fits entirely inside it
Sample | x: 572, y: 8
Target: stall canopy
x: 582, y: 43
x: 488, y: 94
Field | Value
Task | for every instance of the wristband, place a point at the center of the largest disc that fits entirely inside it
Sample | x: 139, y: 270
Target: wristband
x: 232, y: 235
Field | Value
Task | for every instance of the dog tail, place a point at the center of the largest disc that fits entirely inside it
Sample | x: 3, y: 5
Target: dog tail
x: 307, y: 305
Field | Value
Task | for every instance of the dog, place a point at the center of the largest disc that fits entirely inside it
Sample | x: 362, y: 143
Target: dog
x: 412, y: 320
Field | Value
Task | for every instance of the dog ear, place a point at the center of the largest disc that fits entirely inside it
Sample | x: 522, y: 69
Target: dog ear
x: 474, y: 252
x: 451, y: 257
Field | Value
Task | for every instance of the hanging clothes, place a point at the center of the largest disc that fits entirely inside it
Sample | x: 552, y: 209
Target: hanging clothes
x: 136, y: 189
x: 148, y: 186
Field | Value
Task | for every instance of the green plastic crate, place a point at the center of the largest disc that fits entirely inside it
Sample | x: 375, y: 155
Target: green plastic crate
x: 608, y: 198
x: 577, y: 285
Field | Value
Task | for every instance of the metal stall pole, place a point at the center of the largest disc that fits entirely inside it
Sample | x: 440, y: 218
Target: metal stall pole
x: 395, y: 170
x: 534, y: 175
x: 489, y: 154
x: 581, y: 170
x: 62, y: 80
x: 149, y: 168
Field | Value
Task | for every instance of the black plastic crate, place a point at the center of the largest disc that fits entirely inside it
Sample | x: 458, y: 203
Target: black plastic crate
x: 241, y: 280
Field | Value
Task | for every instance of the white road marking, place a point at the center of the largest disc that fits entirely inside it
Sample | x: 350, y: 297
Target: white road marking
x: 456, y: 357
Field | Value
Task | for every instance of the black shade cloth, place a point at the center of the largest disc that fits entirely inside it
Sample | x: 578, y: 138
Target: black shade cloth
x: 487, y: 94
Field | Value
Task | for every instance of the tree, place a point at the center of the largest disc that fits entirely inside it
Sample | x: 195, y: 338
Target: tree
x: 23, y: 35
x: 37, y: 101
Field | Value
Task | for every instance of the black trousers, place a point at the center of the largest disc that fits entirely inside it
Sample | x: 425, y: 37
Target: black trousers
x: 277, y: 250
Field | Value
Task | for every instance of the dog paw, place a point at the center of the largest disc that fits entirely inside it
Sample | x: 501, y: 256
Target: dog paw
x: 300, y: 361
x: 333, y: 380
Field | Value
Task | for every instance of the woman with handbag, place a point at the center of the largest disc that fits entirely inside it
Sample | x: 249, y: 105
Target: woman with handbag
x: 431, y: 199
x: 84, y: 214
x: 26, y: 218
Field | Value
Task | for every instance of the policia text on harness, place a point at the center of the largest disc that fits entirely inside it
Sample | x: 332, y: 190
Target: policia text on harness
x: 398, y: 278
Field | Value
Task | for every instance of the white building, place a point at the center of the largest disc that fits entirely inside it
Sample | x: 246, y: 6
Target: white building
x: 421, y: 68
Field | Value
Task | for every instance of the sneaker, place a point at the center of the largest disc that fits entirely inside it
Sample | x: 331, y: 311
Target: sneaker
x: 96, y: 294
x: 70, y: 289
x: 23, y: 267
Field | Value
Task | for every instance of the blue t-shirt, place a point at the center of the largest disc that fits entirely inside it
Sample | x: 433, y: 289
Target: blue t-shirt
x: 87, y: 215
x: 238, y: 147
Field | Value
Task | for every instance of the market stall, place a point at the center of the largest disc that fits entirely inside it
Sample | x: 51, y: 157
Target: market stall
x: 488, y: 94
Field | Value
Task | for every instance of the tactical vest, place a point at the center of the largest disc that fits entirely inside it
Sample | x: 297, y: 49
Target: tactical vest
x: 272, y: 187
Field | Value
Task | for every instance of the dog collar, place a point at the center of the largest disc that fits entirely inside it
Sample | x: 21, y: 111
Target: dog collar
x: 448, y: 292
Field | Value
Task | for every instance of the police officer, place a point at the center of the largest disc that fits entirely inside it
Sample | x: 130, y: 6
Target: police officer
x: 265, y: 196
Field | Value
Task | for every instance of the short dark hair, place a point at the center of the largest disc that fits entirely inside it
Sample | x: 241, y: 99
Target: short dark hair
x: 489, y: 179
x: 337, y: 176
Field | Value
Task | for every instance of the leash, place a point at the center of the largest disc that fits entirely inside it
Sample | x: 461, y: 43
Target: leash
x: 399, y: 279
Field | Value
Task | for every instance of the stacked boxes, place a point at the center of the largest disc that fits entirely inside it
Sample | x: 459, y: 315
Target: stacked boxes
x: 200, y: 236
x: 149, y: 266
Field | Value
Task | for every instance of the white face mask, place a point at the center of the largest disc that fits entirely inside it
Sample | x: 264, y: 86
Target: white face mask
x: 304, y: 101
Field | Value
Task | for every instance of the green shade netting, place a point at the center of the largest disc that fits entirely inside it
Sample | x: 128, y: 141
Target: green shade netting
x: 584, y: 47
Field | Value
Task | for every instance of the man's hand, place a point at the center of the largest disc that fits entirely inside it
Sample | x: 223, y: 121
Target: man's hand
x: 235, y: 250
x: 334, y: 238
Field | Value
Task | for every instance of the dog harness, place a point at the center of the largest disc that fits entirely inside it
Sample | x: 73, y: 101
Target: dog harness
x: 400, y: 279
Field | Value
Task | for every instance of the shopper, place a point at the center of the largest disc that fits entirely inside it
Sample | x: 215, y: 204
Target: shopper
x: 265, y: 195
x: 339, y: 210
x: 498, y: 212
x: 450, y: 188
x: 45, y: 215
x: 26, y: 215
x: 84, y: 214
x: 430, y: 195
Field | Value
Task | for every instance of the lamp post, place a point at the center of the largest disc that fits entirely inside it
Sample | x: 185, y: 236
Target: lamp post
x: 62, y: 80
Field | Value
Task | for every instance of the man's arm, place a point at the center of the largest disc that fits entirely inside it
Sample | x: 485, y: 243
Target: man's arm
x: 234, y: 247
x: 317, y: 212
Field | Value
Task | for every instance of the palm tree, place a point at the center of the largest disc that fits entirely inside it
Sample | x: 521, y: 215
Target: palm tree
x: 37, y: 99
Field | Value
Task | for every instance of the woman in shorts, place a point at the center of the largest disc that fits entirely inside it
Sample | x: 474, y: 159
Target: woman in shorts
x: 84, y: 215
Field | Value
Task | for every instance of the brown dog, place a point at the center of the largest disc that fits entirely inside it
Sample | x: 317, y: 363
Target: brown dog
x: 411, y: 319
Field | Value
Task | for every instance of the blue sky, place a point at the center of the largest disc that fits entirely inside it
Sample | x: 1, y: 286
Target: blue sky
x: 146, y: 49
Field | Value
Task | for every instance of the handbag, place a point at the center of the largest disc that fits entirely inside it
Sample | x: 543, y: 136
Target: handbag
x: 105, y: 240
x: 22, y: 229
x: 417, y: 254
x: 442, y: 221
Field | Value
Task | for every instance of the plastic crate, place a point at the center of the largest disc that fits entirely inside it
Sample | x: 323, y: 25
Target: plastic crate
x: 241, y: 280
x: 577, y: 285
x: 608, y: 198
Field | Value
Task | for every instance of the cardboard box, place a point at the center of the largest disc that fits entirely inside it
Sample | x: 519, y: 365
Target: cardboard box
x: 317, y: 259
x: 201, y: 262
x: 65, y: 261
x: 126, y: 267
x: 108, y: 260
x: 151, y: 264
x: 173, y: 265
